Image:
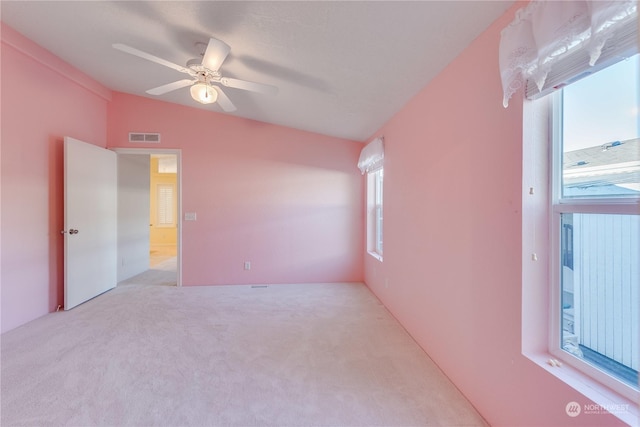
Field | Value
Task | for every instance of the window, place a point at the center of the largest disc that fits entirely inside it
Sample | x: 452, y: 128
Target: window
x: 595, y: 225
x: 581, y: 189
x: 374, y: 210
x: 371, y: 162
x: 165, y: 206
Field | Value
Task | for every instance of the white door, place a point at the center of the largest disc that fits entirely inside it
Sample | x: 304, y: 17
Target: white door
x: 90, y: 224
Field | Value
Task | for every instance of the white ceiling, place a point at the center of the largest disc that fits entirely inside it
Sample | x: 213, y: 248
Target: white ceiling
x: 343, y: 68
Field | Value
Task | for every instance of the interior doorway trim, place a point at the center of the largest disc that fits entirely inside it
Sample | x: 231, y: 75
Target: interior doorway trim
x: 178, y: 153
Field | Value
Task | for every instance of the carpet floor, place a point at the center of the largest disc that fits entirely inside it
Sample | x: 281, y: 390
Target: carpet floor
x: 162, y: 273
x: 282, y: 355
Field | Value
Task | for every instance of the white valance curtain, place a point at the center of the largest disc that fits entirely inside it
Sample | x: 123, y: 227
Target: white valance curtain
x: 545, y: 32
x: 371, y: 156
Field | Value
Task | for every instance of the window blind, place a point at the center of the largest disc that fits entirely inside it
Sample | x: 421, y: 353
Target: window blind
x: 575, y: 66
x: 553, y: 43
x: 371, y: 156
x: 165, y: 205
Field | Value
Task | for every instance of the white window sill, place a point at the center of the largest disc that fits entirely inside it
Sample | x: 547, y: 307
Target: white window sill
x: 376, y: 255
x: 604, y: 398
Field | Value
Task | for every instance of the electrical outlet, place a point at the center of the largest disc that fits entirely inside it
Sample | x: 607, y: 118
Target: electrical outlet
x: 247, y: 265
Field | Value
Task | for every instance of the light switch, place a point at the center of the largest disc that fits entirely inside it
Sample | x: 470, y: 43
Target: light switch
x: 189, y: 216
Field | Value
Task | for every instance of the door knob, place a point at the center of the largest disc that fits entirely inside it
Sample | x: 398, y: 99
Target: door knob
x: 71, y: 231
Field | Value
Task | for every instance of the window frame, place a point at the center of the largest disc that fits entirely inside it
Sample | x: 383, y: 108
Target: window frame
x: 375, y: 212
x: 558, y: 205
x: 539, y: 302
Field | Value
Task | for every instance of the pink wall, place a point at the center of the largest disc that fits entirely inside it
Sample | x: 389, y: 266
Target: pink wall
x: 291, y: 202
x: 452, y: 260
x: 288, y: 201
x: 43, y: 100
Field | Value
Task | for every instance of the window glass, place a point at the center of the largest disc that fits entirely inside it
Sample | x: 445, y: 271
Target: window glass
x: 600, y: 131
x: 600, y: 291
x: 378, y: 203
x: 598, y: 234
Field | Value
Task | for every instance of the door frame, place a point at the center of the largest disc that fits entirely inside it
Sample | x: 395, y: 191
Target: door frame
x: 178, y: 153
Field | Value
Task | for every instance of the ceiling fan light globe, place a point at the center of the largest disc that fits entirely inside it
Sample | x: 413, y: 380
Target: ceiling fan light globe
x: 204, y: 93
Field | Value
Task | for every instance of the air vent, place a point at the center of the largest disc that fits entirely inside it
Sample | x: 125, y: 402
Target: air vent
x: 144, y: 137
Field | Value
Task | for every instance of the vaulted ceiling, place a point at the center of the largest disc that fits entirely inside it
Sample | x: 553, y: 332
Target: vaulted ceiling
x: 343, y: 68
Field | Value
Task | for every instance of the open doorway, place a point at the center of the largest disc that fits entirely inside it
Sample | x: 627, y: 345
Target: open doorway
x: 163, y: 211
x: 149, y: 211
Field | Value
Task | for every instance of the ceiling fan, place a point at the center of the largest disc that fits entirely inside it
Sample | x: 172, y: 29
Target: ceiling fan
x: 205, y: 75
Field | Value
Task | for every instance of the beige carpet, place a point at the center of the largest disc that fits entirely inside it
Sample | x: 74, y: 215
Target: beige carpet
x: 283, y: 355
x: 163, y: 273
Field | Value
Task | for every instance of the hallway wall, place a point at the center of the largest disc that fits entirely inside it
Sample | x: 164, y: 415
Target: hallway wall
x: 133, y: 215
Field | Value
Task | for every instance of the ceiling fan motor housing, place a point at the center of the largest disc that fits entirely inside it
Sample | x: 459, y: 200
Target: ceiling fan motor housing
x: 201, y: 72
x: 195, y: 62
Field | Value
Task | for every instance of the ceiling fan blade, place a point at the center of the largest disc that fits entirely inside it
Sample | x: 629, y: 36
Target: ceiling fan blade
x: 160, y: 90
x: 149, y: 57
x: 250, y: 86
x: 224, y: 101
x: 215, y: 54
